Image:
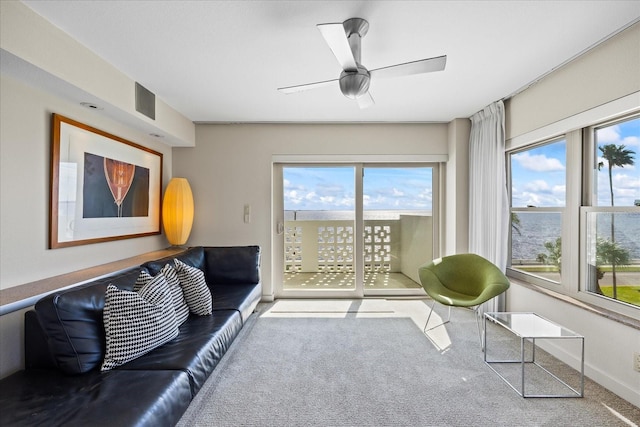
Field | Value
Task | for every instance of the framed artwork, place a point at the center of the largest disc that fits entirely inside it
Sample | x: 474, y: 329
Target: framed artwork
x: 103, y: 187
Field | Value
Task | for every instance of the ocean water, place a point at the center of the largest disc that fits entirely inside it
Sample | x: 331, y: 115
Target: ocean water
x: 347, y: 215
x: 534, y: 230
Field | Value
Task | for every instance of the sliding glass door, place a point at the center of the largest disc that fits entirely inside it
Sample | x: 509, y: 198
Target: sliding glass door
x: 319, y: 228
x: 352, y: 230
x: 398, y: 227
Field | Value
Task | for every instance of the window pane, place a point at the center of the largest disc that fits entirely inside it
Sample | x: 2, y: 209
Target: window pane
x: 613, y: 255
x: 538, y: 176
x: 536, y: 244
x: 613, y: 235
x: 617, y: 174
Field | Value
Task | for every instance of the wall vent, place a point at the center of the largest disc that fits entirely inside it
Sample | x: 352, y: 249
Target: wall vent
x: 145, y: 101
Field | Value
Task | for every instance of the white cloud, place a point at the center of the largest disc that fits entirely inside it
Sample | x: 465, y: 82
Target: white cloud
x: 631, y: 141
x: 611, y: 135
x: 559, y: 191
x: 552, y: 197
x: 621, y: 180
x: 538, y: 162
x: 626, y: 189
x: 538, y: 185
x: 608, y: 135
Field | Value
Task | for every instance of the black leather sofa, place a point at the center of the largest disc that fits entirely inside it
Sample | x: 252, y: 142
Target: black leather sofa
x: 62, y: 383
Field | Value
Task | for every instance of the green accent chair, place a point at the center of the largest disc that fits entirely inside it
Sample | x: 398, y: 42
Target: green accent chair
x: 462, y: 280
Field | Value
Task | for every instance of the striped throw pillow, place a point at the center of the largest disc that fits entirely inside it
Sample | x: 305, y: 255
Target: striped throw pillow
x: 179, y: 303
x: 195, y: 289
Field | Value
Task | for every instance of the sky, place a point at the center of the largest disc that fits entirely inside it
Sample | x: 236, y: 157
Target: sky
x: 538, y: 175
x: 333, y: 188
x: 538, y: 179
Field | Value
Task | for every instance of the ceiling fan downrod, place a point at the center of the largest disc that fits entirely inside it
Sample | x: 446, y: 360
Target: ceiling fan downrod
x: 355, y: 83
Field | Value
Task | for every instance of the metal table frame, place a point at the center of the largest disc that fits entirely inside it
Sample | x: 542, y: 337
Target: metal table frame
x: 531, y: 334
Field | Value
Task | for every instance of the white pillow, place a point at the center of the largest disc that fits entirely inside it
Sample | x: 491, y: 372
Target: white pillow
x: 137, y: 322
x: 179, y: 303
x: 195, y: 289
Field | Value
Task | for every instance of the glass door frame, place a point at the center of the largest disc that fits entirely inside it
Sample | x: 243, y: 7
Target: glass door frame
x: 358, y: 291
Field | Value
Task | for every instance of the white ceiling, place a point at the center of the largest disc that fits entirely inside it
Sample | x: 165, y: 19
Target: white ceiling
x: 222, y: 61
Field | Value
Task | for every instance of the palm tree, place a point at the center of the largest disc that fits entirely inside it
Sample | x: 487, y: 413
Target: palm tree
x: 515, y: 222
x: 553, y: 255
x: 615, y: 155
x: 609, y: 252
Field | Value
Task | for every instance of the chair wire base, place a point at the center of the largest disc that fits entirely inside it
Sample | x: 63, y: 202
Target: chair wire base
x: 476, y: 311
x: 429, y: 317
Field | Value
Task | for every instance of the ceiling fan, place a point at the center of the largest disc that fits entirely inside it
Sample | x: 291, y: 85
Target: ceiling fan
x: 344, y: 39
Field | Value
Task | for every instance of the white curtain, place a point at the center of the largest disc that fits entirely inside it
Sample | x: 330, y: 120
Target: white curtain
x: 488, y: 203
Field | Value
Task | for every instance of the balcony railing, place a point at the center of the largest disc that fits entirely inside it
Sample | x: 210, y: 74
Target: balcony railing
x: 327, y: 246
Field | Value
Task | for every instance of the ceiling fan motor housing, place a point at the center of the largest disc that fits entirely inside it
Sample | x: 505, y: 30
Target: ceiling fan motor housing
x: 354, y: 84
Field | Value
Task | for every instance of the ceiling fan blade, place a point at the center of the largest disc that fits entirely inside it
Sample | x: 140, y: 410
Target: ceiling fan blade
x: 336, y: 38
x: 308, y: 86
x: 416, y: 67
x: 365, y: 101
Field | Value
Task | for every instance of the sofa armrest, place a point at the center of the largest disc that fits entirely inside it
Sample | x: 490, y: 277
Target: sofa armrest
x: 229, y: 265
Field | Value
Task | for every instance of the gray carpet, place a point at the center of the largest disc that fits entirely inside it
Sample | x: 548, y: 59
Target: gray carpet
x: 352, y: 371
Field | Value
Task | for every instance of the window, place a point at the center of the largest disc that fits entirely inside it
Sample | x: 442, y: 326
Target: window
x: 612, y: 224
x: 538, y: 182
x: 575, y: 214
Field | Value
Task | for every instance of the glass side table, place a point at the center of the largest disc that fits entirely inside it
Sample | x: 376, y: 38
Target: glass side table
x: 529, y: 327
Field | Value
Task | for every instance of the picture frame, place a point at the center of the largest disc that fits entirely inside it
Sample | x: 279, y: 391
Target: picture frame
x: 103, y: 187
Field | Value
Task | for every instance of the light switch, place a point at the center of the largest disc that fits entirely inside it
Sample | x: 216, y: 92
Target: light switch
x: 247, y: 214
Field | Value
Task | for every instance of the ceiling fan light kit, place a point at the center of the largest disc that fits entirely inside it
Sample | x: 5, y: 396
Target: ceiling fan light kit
x: 344, y: 40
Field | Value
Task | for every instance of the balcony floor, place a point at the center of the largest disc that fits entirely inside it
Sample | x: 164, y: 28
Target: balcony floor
x: 312, y: 281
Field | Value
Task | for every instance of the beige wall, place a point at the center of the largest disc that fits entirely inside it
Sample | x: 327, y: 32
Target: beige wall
x: 231, y: 166
x: 49, y: 54
x: 25, y: 138
x: 603, y: 82
x: 44, y: 70
x: 606, y: 73
x: 456, y: 220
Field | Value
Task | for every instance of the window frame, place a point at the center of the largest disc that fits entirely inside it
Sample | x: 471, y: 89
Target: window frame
x: 589, y: 204
x: 580, y: 157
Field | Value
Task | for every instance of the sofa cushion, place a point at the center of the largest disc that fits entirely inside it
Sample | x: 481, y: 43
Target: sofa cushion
x: 243, y: 298
x: 47, y: 397
x: 179, y: 303
x: 192, y: 256
x: 232, y: 265
x: 194, y: 288
x: 137, y: 322
x: 72, y: 321
x: 202, y: 342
